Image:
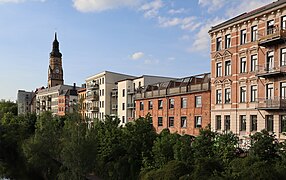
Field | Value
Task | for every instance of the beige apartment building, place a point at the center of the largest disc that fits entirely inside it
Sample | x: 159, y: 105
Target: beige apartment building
x: 98, y: 93
x: 124, y: 95
x: 248, y: 69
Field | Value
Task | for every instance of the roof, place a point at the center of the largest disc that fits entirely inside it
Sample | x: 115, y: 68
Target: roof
x: 246, y: 15
x: 105, y: 72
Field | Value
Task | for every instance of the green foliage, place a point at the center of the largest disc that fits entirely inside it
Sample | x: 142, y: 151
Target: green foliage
x: 265, y: 146
x: 163, y: 151
x: 173, y: 170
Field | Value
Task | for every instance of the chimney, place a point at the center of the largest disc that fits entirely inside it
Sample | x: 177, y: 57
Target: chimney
x: 74, y: 86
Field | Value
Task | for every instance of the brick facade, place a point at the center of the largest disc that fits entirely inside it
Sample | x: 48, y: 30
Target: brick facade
x: 249, y: 82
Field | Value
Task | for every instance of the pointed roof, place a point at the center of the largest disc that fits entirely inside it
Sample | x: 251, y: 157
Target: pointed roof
x: 56, y: 51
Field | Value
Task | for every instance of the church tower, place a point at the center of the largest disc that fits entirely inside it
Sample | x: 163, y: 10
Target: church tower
x: 55, y: 72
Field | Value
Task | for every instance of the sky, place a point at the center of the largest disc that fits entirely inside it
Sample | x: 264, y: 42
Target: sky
x: 136, y: 37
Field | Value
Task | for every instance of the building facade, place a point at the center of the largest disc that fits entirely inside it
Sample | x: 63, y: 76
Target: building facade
x: 99, y: 92
x: 24, y: 100
x: 248, y: 58
x: 181, y: 105
x: 82, y: 102
x: 124, y: 95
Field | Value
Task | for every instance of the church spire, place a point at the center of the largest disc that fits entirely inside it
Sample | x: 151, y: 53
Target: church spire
x: 55, y: 51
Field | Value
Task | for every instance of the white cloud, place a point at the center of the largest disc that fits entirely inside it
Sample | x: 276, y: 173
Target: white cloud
x: 202, y: 39
x: 245, y: 6
x: 185, y: 37
x: 151, y: 9
x: 234, y: 7
x: 137, y: 55
x: 177, y: 11
x: 212, y: 4
x: 151, y: 61
x: 102, y: 5
x: 186, y: 23
x: 18, y: 1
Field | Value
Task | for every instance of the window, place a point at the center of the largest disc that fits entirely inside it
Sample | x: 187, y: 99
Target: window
x: 242, y: 122
x: 150, y: 105
x: 102, y: 80
x: 102, y: 104
x: 253, y: 122
x: 218, y: 69
x: 227, y: 41
x: 198, y: 121
x: 123, y: 106
x: 160, y: 104
x: 218, y: 43
x: 254, y: 33
x: 269, y: 122
x: 218, y: 122
x: 243, y: 65
x: 227, y: 97
x: 184, y: 102
x: 160, y: 121
x: 283, y: 90
x: 123, y: 92
x: 99, y: 92
x: 243, y: 36
x: 270, y: 61
x: 283, y: 57
x: 269, y: 91
x: 139, y: 84
x: 242, y: 94
x: 227, y: 122
x: 253, y: 93
x: 282, y: 123
x: 227, y: 68
x: 184, y: 122
x: 198, y: 100
x: 141, y: 106
x: 102, y: 92
x: 171, y: 103
x: 283, y: 22
x: 123, y: 119
x: 218, y: 96
x: 171, y: 121
x: 253, y: 62
x: 270, y: 27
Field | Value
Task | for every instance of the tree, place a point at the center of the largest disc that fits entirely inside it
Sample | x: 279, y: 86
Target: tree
x: 43, y: 149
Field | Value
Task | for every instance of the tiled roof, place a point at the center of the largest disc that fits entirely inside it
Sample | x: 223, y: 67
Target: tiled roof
x: 248, y: 14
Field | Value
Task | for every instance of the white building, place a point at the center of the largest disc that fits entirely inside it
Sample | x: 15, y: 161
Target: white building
x: 98, y: 93
x: 126, y: 94
x: 23, y: 100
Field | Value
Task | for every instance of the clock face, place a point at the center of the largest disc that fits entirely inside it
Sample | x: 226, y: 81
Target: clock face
x: 57, y: 70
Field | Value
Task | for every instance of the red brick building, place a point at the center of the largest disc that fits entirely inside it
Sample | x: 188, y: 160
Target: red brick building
x: 181, y: 105
x: 248, y: 67
x: 67, y: 100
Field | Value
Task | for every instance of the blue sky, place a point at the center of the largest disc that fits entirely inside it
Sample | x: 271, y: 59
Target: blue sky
x: 136, y: 37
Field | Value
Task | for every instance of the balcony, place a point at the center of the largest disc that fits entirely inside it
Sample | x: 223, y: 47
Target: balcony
x: 276, y: 103
x: 114, y: 106
x: 130, y: 91
x: 130, y: 105
x: 266, y: 71
x: 271, y: 37
x: 93, y: 97
x: 94, y: 109
x: 114, y: 93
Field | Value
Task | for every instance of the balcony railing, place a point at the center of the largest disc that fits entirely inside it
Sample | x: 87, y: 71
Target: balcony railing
x: 130, y: 91
x: 114, y: 93
x: 93, y: 86
x: 131, y: 105
x: 272, y: 36
x: 275, y: 103
x: 94, y: 109
x: 263, y: 71
x: 93, y: 97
